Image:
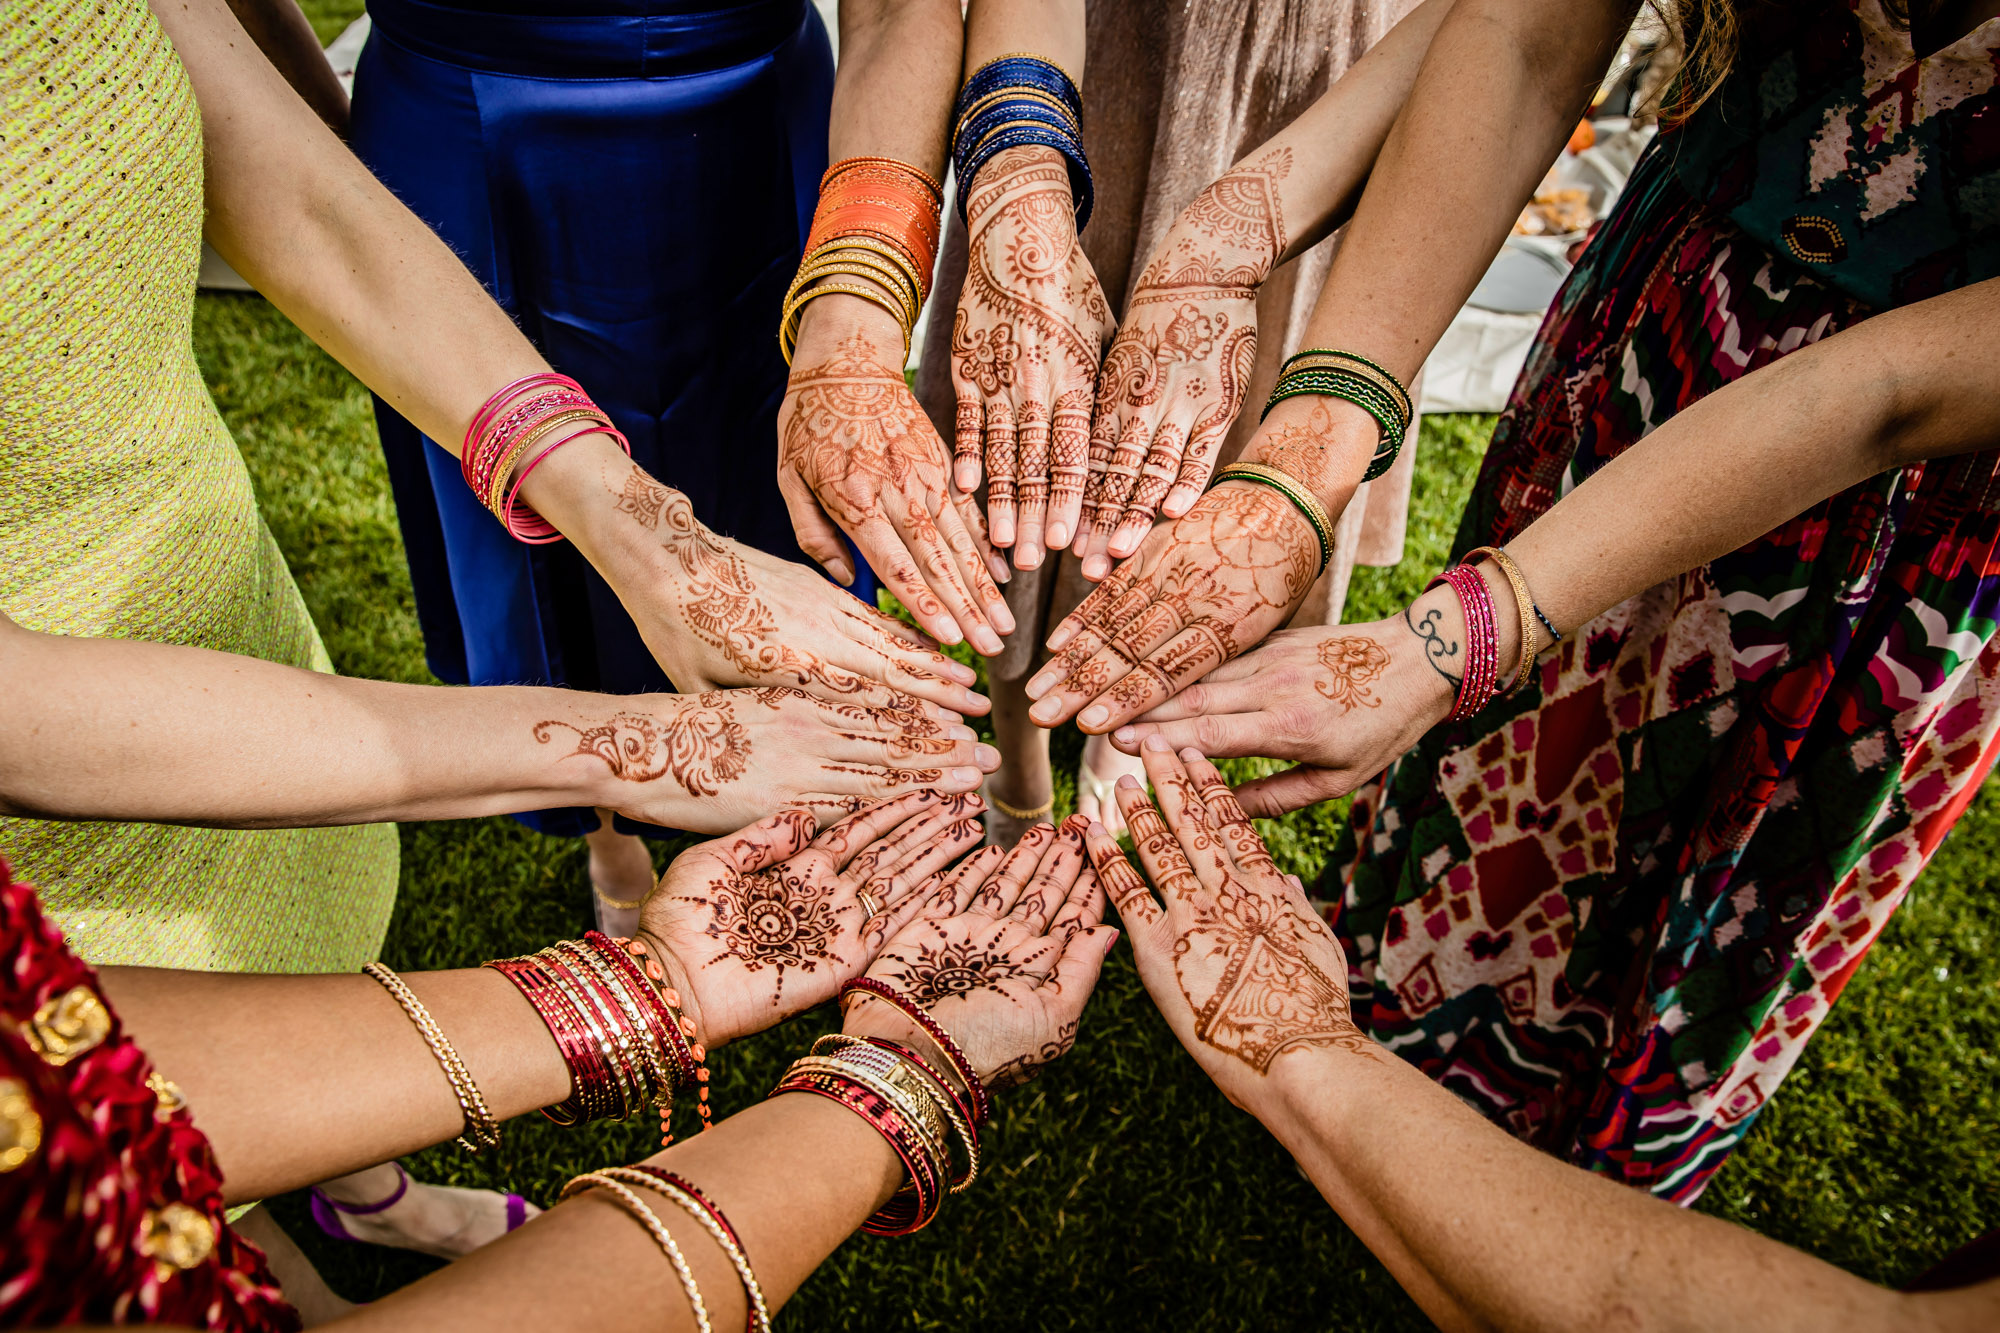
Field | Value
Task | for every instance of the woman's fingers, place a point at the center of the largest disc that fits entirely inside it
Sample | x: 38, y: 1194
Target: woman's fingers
x: 1186, y: 815
x: 1069, y: 465
x: 981, y: 567
x: 1033, y: 490
x: 1224, y: 735
x: 954, y: 895
x: 1159, y: 850
x: 895, y: 886
x: 1082, y: 962
x: 1002, y: 454
x: 1120, y: 882
x: 1163, y: 464
x: 1196, y: 461
x: 1062, y: 861
x: 918, y: 529
x: 763, y: 844
x: 817, y: 534
x: 905, y: 844
x: 845, y: 840
x: 998, y: 895
x: 968, y: 435
x: 1239, y: 835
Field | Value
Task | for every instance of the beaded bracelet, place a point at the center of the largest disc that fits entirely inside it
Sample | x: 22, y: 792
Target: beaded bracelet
x: 982, y: 1105
x: 1015, y: 101
x: 655, y: 1228
x: 1482, y: 642
x: 683, y: 1194
x: 1263, y: 474
x: 1523, y: 605
x: 481, y: 1129
x: 1324, y: 372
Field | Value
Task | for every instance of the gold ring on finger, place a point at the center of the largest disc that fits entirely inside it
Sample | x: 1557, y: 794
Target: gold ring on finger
x: 870, y: 904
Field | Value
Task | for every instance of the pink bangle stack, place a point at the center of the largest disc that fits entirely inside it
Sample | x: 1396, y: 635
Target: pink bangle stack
x: 1480, y: 682
x: 532, y: 411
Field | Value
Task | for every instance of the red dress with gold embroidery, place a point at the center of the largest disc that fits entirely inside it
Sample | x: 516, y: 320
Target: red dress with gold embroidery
x: 111, y: 1198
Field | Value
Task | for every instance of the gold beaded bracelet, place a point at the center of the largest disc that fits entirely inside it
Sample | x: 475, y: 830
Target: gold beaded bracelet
x: 1523, y: 605
x: 479, y: 1122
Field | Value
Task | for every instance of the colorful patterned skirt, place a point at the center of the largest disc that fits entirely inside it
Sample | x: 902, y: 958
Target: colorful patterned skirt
x: 1611, y: 911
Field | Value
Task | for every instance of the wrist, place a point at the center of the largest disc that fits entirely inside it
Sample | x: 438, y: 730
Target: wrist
x: 1430, y: 679
x: 884, y: 1023
x: 1306, y: 1094
x: 838, y: 317
x: 1324, y: 443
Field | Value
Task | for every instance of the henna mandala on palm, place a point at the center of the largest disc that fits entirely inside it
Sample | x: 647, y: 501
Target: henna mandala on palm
x: 1269, y: 995
x: 703, y: 747
x: 778, y: 918
x: 1353, y: 666
x: 955, y: 968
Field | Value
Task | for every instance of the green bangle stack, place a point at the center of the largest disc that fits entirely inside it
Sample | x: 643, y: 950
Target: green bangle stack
x: 1292, y: 489
x: 1354, y: 378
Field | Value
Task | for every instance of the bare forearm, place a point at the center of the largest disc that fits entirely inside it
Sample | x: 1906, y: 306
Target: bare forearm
x: 286, y: 37
x: 112, y: 729
x: 1910, y: 384
x: 1500, y: 89
x: 1511, y: 1237
x: 300, y: 1079
x: 898, y: 73
x: 1051, y: 29
x: 796, y: 1176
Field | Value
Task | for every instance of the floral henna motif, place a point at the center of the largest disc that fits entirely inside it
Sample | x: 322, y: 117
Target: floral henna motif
x: 1353, y: 665
x: 704, y: 748
x: 1270, y: 995
x: 1241, y: 208
x: 1299, y: 450
x: 778, y: 918
x: 956, y: 968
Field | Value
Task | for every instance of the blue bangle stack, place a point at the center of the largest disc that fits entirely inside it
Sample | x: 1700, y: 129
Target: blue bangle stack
x: 1016, y: 100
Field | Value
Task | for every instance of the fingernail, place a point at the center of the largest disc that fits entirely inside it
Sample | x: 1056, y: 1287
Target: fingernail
x: 1097, y: 830
x: 1061, y: 635
x: 964, y: 674
x: 1036, y: 687
x: 1046, y: 710
x: 1028, y: 557
x: 1058, y: 536
x: 989, y: 644
x: 1094, y: 716
x: 1125, y: 734
x: 948, y: 634
x: 1112, y: 943
x: 1127, y: 780
x: 961, y: 733
x: 1157, y: 744
x: 1003, y: 575
x: 842, y: 575
x: 1191, y: 755
x: 986, y: 757
x: 967, y: 776
x: 1095, y: 568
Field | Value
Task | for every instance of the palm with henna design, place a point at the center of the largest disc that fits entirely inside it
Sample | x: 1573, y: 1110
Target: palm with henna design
x: 759, y: 926
x: 1003, y: 956
x: 712, y: 617
x: 1176, y: 375
x: 856, y: 454
x: 1230, y: 950
x: 1199, y: 592
x: 1031, y: 327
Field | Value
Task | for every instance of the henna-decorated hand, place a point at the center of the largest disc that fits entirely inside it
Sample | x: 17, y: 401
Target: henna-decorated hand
x: 1341, y: 701
x: 771, y: 921
x: 715, y: 612
x: 857, y: 454
x: 1031, y: 327
x: 714, y: 762
x: 1229, y: 949
x: 1175, y: 377
x: 1004, y: 955
x: 1200, y: 591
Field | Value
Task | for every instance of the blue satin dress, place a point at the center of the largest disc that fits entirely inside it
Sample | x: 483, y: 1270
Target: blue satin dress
x: 633, y: 182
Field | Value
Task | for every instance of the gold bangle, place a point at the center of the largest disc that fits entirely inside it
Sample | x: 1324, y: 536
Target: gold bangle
x: 1292, y: 489
x: 650, y: 1220
x: 1360, y: 370
x: 1013, y: 93
x: 753, y: 1291
x: 858, y: 262
x: 1523, y: 605
x: 788, y: 325
x: 479, y: 1122
x: 874, y: 246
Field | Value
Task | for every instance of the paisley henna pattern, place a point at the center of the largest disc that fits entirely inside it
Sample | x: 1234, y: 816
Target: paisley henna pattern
x: 703, y: 747
x: 1353, y: 663
x: 1024, y: 1068
x: 1299, y: 449
x: 1030, y: 330
x: 1177, y: 373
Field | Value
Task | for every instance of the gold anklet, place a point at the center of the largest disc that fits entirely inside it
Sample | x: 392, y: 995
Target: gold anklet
x: 618, y: 904
x: 1015, y: 812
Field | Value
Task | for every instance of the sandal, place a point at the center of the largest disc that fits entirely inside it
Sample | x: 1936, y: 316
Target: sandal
x: 1101, y: 789
x: 327, y: 1210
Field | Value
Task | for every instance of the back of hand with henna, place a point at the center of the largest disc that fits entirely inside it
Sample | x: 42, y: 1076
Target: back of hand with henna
x: 1030, y: 330
x: 1177, y: 373
x: 1199, y: 591
x: 856, y: 454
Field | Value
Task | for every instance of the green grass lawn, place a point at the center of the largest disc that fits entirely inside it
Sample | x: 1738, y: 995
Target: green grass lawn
x: 1124, y: 1192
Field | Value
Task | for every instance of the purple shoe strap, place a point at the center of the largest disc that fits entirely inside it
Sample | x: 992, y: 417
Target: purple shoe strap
x: 517, y: 1211
x: 364, y: 1209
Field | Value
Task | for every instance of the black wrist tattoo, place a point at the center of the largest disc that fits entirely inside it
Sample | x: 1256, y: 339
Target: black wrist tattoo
x: 1439, y: 648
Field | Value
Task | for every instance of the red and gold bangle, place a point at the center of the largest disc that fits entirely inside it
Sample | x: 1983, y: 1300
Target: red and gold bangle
x: 1478, y: 685
x: 982, y: 1105
x: 912, y: 1207
x: 690, y: 1055
x: 508, y: 426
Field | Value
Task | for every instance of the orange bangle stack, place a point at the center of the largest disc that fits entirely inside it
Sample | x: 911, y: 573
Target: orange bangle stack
x: 877, y: 220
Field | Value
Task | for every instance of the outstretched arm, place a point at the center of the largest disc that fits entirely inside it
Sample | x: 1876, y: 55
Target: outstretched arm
x: 307, y: 224
x: 1904, y: 386
x: 1482, y: 1230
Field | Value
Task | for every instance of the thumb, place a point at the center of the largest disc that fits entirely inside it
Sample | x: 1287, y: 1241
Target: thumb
x: 1294, y: 789
x: 816, y: 534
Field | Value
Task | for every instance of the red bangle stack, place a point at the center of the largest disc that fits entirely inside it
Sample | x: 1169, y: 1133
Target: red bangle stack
x: 508, y: 427
x: 982, y: 1105
x: 911, y: 1208
x: 620, y: 1031
x: 1480, y: 682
